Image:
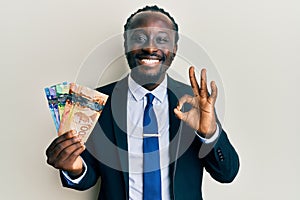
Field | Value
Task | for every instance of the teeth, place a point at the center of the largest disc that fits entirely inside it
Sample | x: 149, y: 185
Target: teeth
x: 150, y: 61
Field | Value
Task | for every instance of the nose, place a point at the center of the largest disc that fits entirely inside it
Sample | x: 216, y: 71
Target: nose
x: 150, y: 47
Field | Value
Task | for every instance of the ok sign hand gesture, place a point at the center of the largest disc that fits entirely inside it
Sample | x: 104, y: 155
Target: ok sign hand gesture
x: 202, y: 116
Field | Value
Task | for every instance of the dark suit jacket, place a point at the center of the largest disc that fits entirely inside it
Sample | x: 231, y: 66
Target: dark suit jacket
x: 106, y: 155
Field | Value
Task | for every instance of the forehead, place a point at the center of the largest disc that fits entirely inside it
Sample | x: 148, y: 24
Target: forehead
x: 151, y: 19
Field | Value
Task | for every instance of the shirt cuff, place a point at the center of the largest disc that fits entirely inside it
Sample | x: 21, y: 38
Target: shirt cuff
x: 77, y: 180
x: 211, y: 139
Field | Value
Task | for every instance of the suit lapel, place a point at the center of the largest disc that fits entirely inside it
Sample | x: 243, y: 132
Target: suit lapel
x: 119, y: 114
x: 173, y: 100
x: 174, y: 122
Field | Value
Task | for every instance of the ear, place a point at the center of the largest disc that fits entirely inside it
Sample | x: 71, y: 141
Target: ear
x: 125, y: 42
x: 175, y: 49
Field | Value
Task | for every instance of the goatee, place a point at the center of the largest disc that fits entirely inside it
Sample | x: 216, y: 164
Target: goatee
x: 147, y: 79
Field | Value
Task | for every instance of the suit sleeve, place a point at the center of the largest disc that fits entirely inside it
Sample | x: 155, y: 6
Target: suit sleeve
x: 222, y: 161
x: 91, y: 176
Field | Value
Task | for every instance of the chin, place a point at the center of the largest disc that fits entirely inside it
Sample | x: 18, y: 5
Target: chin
x: 143, y: 75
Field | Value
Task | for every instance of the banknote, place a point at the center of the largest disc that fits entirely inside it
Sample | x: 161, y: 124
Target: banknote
x: 82, y: 109
x: 53, y: 105
x: 62, y: 92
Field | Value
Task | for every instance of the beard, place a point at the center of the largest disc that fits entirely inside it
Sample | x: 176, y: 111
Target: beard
x: 140, y: 75
x: 148, y: 75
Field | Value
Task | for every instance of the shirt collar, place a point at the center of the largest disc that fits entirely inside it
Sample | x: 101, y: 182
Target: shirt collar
x: 138, y: 92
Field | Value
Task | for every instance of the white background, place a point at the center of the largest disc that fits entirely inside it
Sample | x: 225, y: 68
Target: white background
x: 254, y: 44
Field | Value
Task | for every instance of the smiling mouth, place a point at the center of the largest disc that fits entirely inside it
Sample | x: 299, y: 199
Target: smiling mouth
x: 146, y: 61
x: 150, y: 61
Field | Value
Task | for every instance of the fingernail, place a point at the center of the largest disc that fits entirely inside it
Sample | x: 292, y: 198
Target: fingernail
x: 75, y: 133
x: 76, y: 138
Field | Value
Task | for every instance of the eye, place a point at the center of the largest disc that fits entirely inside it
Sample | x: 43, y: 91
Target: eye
x: 162, y: 40
x: 139, y: 38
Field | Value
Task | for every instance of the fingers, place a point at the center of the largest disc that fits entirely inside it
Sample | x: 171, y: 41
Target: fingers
x: 194, y: 84
x: 64, y: 150
x: 203, y: 83
x: 60, y: 139
x: 67, y: 157
x: 203, y: 90
x: 76, y: 153
x: 184, y: 99
x: 214, y: 93
x: 180, y: 115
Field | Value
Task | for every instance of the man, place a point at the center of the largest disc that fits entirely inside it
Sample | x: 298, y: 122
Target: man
x: 185, y: 148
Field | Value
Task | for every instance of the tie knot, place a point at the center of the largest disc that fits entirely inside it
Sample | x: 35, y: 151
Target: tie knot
x: 150, y: 98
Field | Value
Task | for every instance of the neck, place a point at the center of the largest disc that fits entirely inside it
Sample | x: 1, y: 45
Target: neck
x: 150, y: 87
x: 147, y: 84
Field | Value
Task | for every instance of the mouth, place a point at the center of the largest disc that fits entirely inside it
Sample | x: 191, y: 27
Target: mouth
x: 150, y: 61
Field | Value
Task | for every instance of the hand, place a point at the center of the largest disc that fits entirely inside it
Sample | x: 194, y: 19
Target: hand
x: 201, y: 117
x: 64, y: 153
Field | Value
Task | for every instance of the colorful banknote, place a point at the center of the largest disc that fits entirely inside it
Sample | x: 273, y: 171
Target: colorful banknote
x: 81, y: 108
x: 62, y: 92
x: 53, y: 105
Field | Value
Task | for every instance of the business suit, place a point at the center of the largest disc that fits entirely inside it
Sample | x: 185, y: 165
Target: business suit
x: 185, y: 172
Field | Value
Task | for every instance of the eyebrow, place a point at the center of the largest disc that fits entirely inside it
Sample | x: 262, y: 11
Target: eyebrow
x: 151, y: 27
x: 143, y: 31
x: 163, y: 32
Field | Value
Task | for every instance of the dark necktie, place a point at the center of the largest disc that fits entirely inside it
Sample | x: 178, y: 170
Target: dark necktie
x: 151, y: 175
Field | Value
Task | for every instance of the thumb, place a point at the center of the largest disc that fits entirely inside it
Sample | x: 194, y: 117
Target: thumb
x: 180, y: 115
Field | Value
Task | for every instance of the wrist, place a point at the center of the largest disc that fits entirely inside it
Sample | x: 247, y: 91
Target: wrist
x: 207, y: 134
x: 76, y: 173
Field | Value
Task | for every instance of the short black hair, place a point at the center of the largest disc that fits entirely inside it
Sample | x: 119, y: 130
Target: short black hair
x: 154, y: 8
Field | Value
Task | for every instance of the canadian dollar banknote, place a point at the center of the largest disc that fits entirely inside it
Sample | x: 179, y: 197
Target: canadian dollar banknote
x: 75, y: 107
x: 62, y: 92
x: 53, y: 105
x: 82, y: 109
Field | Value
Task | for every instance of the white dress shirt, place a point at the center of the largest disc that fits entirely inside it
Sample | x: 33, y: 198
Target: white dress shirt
x: 136, y: 103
